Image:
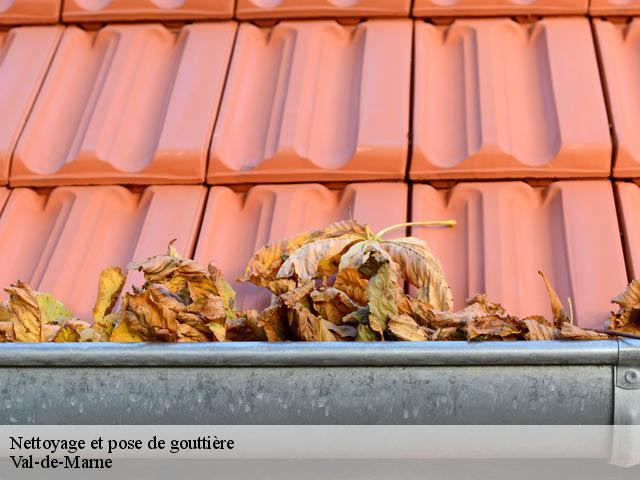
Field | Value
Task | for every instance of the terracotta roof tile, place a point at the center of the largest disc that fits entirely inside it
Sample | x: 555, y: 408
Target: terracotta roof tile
x: 320, y: 8
x: 128, y: 103
x: 59, y: 241
x: 619, y: 45
x: 499, y: 99
x: 25, y: 55
x: 614, y: 7
x: 432, y: 8
x: 628, y: 195
x: 100, y: 10
x: 309, y: 101
x: 508, y: 231
x: 26, y: 12
x: 235, y: 225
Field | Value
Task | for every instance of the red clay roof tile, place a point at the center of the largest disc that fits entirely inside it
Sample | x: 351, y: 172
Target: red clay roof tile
x: 26, y: 12
x: 128, y: 103
x: 100, y: 10
x: 628, y: 195
x: 25, y: 55
x: 320, y: 8
x: 508, y: 231
x: 614, y: 7
x: 235, y: 225
x: 479, y: 8
x: 619, y: 46
x: 315, y: 101
x: 59, y: 241
x: 499, y: 99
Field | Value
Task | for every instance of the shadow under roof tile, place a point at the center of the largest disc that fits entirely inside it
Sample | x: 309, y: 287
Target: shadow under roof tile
x: 315, y: 101
x: 25, y: 55
x: 127, y: 103
x: 499, y: 99
x: 110, y: 10
x: 508, y: 231
x: 26, y: 12
x: 619, y: 44
x: 59, y: 241
x: 236, y: 225
x: 321, y: 8
x: 479, y: 8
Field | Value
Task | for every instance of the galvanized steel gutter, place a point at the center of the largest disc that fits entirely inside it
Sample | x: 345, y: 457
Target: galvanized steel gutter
x: 330, y: 383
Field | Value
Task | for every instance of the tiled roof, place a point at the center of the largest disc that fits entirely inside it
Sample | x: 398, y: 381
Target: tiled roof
x: 315, y: 111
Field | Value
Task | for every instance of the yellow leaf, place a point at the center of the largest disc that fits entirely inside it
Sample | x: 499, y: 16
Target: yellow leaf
x: 333, y: 304
x: 272, y: 320
x: 121, y: 332
x: 365, y: 334
x: 353, y: 284
x: 110, y: 286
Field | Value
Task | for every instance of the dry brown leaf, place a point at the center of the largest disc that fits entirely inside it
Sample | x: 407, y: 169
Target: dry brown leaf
x: 122, y: 333
x: 7, y: 333
x: 266, y: 262
x: 149, y: 319
x: 245, y: 327
x: 539, y: 328
x: 627, y: 320
x: 572, y: 332
x: 493, y: 327
x: 295, y: 296
x: 273, y: 320
x: 420, y: 267
x: 304, y: 324
x: 448, y: 334
x: 353, y: 284
x: 188, y: 334
x: 560, y: 316
x: 404, y: 327
x: 383, y: 292
x: 333, y: 304
x: 316, y: 259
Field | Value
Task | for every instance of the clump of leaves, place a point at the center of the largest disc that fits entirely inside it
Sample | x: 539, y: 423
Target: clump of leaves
x: 31, y: 316
x: 345, y: 282
x: 182, y: 301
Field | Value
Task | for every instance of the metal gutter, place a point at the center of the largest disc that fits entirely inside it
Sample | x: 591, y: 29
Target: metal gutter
x: 309, y: 354
x: 432, y: 383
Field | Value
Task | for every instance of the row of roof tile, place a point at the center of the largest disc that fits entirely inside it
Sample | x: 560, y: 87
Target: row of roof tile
x: 317, y: 101
x: 506, y: 232
x: 50, y: 11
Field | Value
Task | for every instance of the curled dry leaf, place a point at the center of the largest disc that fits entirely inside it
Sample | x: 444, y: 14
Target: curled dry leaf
x: 560, y: 316
x: 627, y: 320
x: 493, y: 327
x: 265, y: 264
x: 419, y: 266
x: 383, y: 292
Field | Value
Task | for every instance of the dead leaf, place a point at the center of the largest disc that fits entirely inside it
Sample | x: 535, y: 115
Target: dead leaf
x: 110, y: 286
x: 266, y: 262
x: 419, y: 267
x: 149, y: 319
x: 273, y: 320
x: 627, y: 320
x: 539, y: 328
x: 404, y: 327
x: 383, y: 291
x: 560, y: 316
x: 349, y: 281
x: 493, y: 327
x: 333, y: 304
x: 572, y: 332
x: 316, y: 259
x: 365, y: 334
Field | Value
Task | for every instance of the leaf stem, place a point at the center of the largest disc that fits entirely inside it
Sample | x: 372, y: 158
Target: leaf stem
x: 434, y: 223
